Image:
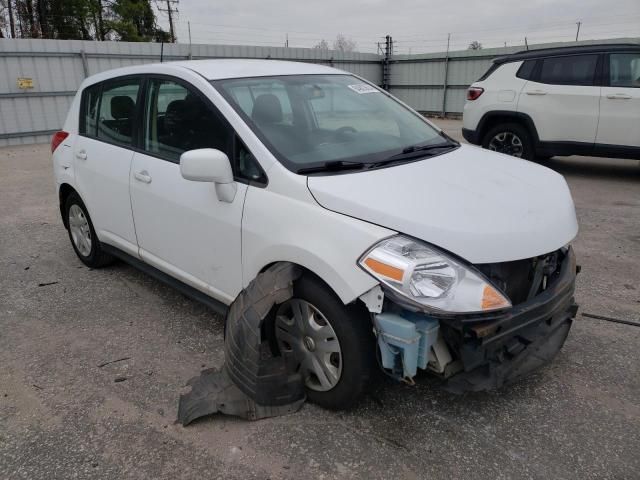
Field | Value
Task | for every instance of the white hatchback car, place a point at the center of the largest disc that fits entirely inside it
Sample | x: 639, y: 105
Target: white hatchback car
x: 416, y: 250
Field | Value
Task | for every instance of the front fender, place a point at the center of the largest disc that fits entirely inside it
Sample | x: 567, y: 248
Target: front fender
x: 281, y: 228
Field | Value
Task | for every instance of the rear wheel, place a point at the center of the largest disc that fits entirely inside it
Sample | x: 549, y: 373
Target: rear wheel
x: 333, y: 343
x: 82, y: 234
x: 511, y: 139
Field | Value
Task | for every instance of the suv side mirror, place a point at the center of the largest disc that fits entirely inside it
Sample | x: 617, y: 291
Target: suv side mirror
x: 210, y: 165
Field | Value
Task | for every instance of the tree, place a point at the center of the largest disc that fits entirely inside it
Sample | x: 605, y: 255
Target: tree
x: 475, y: 45
x: 3, y: 19
x: 132, y: 20
x: 322, y: 45
x: 128, y: 20
x: 344, y: 44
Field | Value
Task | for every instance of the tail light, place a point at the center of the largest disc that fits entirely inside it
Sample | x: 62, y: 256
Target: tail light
x: 57, y: 139
x: 474, y: 92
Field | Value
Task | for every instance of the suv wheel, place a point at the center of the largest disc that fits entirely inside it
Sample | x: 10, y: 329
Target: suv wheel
x: 511, y: 139
x: 333, y: 342
x: 82, y: 235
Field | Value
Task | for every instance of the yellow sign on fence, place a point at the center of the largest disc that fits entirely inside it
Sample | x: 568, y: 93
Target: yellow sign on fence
x: 24, y: 83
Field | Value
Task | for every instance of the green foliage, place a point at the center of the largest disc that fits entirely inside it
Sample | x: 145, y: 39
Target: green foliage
x: 126, y: 20
x: 134, y: 20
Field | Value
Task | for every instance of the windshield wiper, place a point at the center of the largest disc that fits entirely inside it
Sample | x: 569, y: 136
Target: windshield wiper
x: 424, y: 148
x: 333, y: 166
x: 413, y: 151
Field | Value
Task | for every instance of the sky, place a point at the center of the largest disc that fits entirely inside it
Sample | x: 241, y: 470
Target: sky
x: 415, y: 25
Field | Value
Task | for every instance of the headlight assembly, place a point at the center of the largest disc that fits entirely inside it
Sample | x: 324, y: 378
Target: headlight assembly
x: 429, y: 278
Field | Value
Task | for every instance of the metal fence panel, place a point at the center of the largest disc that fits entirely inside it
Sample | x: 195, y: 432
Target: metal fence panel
x: 57, y: 68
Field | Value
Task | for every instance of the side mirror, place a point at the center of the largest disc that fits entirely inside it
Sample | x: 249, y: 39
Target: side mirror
x: 206, y: 165
x: 210, y: 165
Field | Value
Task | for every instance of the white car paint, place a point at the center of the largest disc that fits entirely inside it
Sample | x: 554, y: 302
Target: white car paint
x: 218, y: 247
x: 619, y: 116
x: 102, y: 180
x: 562, y: 112
x: 284, y: 223
x: 492, y: 209
x: 185, y: 230
x: 501, y: 92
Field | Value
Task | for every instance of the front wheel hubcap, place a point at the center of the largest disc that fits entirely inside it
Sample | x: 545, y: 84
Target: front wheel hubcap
x: 80, y: 231
x: 304, y: 331
x: 508, y: 143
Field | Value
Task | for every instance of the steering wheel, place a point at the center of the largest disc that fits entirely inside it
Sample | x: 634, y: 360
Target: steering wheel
x: 342, y: 130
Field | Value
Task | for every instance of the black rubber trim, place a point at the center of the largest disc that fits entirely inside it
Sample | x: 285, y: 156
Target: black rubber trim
x: 471, y: 136
x: 215, y: 305
x: 508, y: 115
x: 572, y: 50
x: 587, y: 149
x: 550, y: 148
x: 522, y: 339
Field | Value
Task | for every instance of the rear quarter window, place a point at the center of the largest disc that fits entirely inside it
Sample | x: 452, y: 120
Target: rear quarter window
x: 526, y: 69
x: 487, y: 74
x: 89, y: 110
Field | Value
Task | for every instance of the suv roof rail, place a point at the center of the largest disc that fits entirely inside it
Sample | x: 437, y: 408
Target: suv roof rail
x: 541, y: 52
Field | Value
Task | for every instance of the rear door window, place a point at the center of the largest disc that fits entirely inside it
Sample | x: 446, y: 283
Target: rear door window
x: 624, y: 70
x: 117, y: 111
x: 569, y: 70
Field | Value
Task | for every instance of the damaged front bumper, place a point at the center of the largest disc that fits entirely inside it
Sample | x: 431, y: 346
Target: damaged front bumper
x: 483, y: 351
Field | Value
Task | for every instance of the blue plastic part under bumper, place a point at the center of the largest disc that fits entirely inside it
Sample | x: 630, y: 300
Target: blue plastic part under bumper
x: 405, y: 340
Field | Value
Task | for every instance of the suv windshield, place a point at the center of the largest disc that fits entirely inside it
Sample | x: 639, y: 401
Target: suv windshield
x: 313, y: 123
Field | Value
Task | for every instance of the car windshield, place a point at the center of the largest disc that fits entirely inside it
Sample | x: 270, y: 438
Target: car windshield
x: 314, y: 121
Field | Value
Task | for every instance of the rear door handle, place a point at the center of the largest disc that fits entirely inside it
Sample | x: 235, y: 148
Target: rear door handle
x: 619, y: 96
x: 82, y: 155
x: 143, y: 176
x: 536, y: 92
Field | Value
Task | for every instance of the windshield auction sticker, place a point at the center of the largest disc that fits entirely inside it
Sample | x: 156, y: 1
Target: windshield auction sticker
x: 363, y: 88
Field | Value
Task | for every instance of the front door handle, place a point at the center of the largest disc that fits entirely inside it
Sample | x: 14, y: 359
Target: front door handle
x: 143, y: 176
x: 536, y: 92
x: 82, y: 155
x: 619, y: 96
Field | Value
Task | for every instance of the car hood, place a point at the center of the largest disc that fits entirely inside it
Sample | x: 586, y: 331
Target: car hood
x: 482, y: 206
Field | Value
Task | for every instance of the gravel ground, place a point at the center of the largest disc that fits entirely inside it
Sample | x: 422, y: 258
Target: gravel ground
x: 63, y: 416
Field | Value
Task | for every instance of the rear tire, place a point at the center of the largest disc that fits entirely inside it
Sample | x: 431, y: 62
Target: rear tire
x: 82, y: 234
x: 511, y: 139
x: 353, y: 331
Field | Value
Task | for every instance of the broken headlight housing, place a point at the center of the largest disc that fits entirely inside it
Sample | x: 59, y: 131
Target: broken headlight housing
x: 431, y: 279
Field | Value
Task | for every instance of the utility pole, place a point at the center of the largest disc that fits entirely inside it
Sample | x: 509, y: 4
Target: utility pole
x: 386, y: 73
x: 286, y: 42
x: 190, y: 52
x: 525, y: 43
x: 12, y: 23
x: 170, y: 11
x: 578, y: 23
x: 446, y: 75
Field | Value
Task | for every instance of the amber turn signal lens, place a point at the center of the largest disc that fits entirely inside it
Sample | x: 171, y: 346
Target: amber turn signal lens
x: 492, y: 299
x: 388, y: 271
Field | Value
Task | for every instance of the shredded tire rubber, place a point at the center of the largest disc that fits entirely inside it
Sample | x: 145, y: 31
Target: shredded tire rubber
x: 253, y: 383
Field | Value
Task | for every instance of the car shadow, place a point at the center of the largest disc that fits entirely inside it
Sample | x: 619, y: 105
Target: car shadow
x: 613, y: 169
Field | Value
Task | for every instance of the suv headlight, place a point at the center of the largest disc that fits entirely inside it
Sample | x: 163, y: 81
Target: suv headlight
x: 430, y: 278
